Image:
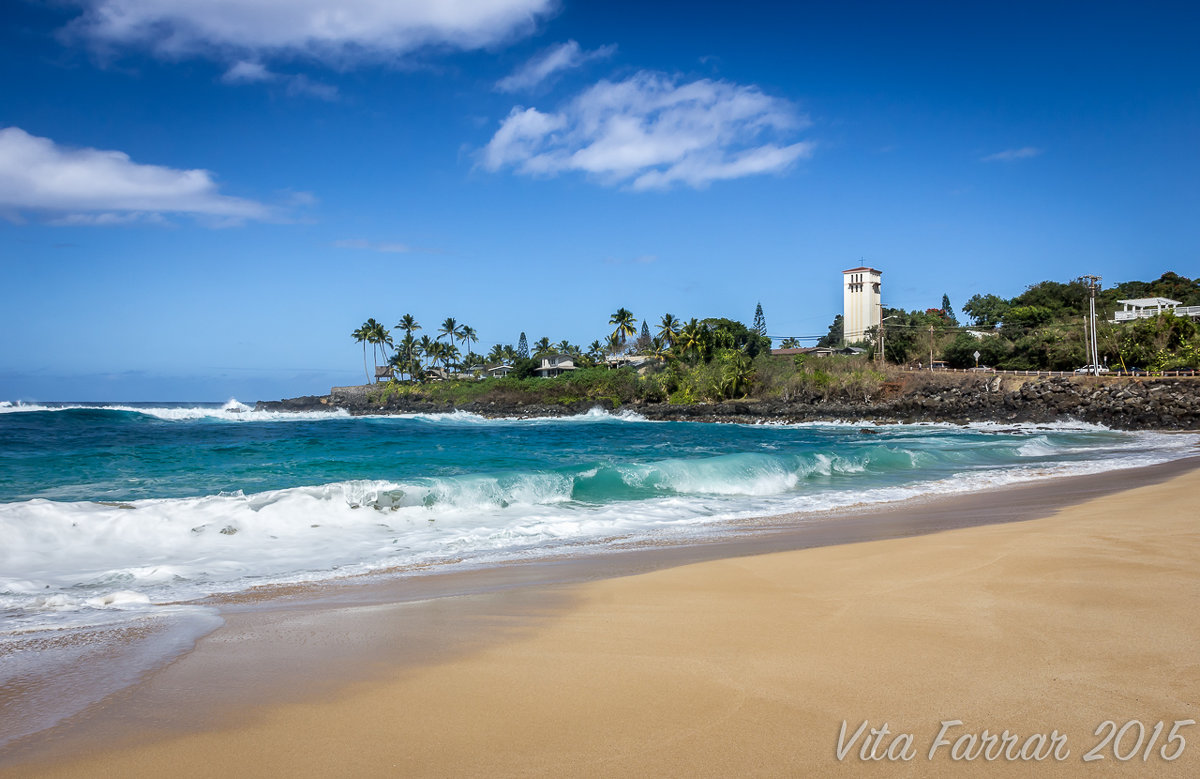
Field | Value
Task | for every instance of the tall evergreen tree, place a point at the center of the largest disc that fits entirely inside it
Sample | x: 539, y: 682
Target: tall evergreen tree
x: 948, y: 310
x: 523, y: 348
x: 643, y: 341
x: 760, y: 321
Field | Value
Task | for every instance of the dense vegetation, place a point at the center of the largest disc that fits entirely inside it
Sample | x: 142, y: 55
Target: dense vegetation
x: 1044, y: 328
x: 717, y: 359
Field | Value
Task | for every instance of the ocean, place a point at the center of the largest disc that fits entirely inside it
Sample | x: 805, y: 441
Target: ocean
x: 120, y: 515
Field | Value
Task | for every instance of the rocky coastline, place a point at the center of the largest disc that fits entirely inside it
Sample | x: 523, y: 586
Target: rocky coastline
x: 1124, y: 404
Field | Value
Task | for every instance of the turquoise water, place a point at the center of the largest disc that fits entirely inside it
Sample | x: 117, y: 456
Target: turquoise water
x: 117, y: 517
x: 126, y: 507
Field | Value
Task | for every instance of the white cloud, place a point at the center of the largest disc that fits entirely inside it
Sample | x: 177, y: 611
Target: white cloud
x: 565, y: 56
x: 248, y: 72
x: 329, y: 30
x: 650, y: 132
x: 1009, y: 155
x: 94, y: 186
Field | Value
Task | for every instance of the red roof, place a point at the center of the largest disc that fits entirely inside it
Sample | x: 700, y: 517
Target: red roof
x: 852, y: 270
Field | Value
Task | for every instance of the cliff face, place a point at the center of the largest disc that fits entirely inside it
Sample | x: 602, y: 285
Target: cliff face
x: 1162, y: 404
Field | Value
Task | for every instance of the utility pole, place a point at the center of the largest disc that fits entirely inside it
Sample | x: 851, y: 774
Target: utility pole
x: 1093, y: 283
x: 882, y: 351
x: 931, y: 347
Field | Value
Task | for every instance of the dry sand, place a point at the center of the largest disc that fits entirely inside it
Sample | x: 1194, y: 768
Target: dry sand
x: 749, y: 665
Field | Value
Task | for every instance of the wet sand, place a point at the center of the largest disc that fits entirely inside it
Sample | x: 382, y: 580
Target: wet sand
x: 731, y: 657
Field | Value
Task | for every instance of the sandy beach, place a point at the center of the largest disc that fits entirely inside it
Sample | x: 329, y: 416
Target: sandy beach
x: 739, y: 665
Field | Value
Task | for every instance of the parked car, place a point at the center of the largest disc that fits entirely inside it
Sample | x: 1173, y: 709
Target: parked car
x: 937, y: 365
x: 983, y: 369
x: 1089, y: 369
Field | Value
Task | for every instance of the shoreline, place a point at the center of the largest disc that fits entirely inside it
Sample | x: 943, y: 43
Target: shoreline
x: 422, y: 621
x: 1127, y: 403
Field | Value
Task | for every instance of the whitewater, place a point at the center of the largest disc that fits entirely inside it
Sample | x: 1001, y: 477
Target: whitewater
x: 111, y: 509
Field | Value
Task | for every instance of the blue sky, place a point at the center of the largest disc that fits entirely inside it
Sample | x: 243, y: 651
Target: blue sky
x: 201, y: 200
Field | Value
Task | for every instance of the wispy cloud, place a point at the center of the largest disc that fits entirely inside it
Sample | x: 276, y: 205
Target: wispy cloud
x: 1010, y: 155
x: 386, y: 247
x: 251, y: 72
x: 99, y: 187
x: 332, y: 31
x: 651, y: 132
x: 564, y: 56
x: 248, y: 72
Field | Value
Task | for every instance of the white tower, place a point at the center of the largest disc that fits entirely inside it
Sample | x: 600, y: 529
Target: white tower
x: 862, y: 301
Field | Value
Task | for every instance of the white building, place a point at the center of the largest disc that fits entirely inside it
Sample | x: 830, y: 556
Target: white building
x: 1144, y: 308
x: 554, y: 365
x: 862, y: 302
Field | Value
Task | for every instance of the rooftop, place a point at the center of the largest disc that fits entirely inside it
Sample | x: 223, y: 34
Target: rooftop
x: 1150, y: 302
x: 864, y: 267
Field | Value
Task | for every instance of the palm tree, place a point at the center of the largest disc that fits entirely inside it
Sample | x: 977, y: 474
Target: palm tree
x: 408, y: 324
x: 613, y: 344
x: 737, y: 374
x: 360, y: 336
x: 496, y: 354
x: 397, y: 363
x: 426, y: 345
x: 450, y: 356
x: 376, y: 335
x: 691, y: 338
x: 625, y: 322
x: 564, y: 347
x: 595, y: 351
x: 407, y: 350
x: 449, y: 328
x: 468, y: 334
x: 543, y: 346
x: 668, y: 329
x: 436, y: 352
x: 789, y: 343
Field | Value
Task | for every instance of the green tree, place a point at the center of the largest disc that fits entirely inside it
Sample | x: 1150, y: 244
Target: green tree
x: 543, y: 346
x: 376, y: 335
x: 948, y: 309
x: 690, y: 342
x: 623, y: 319
x: 469, y: 335
x: 986, y: 310
x: 449, y: 329
x: 643, y: 341
x: 789, y: 343
x: 426, y: 349
x: 668, y: 329
x: 737, y: 373
x: 522, y: 348
x: 760, y: 321
x: 835, y: 336
x: 408, y: 324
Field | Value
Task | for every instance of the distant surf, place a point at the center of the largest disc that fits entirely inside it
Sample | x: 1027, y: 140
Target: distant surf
x: 120, y: 507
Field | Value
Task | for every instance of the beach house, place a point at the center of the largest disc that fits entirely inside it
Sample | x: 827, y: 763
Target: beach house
x: 497, y: 370
x: 554, y: 365
x: 862, y: 302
